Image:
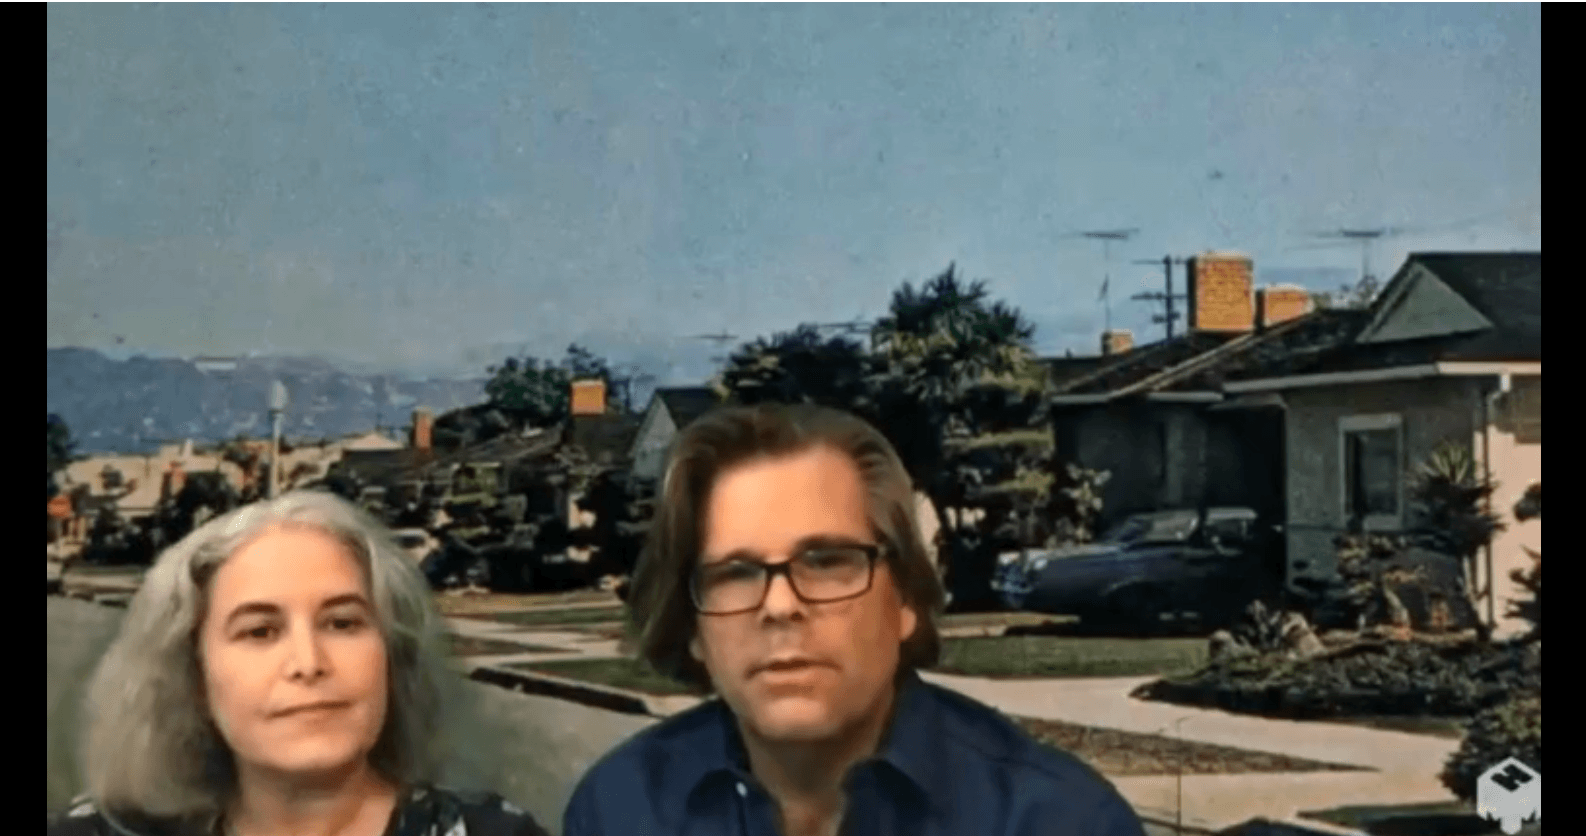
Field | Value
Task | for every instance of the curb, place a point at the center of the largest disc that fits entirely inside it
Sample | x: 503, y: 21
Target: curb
x: 547, y: 685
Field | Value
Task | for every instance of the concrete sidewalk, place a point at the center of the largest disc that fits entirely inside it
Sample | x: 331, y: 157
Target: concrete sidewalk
x: 1105, y: 703
x: 1396, y: 767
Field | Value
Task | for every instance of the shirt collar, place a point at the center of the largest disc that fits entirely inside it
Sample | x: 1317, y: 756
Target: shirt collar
x: 911, y: 746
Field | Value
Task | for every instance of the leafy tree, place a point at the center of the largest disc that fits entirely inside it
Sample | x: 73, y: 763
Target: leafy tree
x: 798, y: 366
x: 60, y: 448
x: 532, y: 392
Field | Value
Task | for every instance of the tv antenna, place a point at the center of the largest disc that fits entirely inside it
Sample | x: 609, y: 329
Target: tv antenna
x: 720, y: 340
x: 1169, y: 297
x: 1106, y: 237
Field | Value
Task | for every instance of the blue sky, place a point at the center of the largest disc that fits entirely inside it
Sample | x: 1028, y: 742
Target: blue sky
x: 420, y: 187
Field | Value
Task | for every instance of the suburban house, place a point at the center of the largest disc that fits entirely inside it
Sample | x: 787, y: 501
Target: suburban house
x: 669, y: 412
x: 134, y: 484
x: 1155, y: 416
x: 1449, y: 352
x: 599, y: 436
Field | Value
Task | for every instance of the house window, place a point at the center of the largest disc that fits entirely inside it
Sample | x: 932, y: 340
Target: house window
x: 1372, y: 458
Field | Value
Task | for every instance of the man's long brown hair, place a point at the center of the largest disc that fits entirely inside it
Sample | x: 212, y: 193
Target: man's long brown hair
x: 662, y: 611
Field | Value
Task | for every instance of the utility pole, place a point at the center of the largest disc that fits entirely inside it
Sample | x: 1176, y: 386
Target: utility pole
x: 1167, y: 298
x: 277, y: 407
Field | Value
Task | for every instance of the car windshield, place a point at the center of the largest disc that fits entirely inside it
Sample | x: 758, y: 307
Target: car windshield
x: 1151, y: 527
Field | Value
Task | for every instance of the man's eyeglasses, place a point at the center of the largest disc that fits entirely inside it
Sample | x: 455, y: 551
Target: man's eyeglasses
x: 818, y: 576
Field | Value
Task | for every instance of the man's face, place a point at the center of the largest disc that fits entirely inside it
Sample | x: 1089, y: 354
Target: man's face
x: 793, y: 671
x: 294, y: 664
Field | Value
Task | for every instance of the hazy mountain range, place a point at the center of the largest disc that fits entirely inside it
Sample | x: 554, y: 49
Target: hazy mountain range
x: 135, y: 404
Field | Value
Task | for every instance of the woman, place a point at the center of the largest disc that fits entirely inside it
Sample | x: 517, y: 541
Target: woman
x: 280, y: 672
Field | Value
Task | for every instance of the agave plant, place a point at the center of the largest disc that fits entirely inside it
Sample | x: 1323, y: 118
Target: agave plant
x: 1451, y: 497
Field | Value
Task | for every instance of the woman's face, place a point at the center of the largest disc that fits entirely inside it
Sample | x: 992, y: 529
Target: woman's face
x: 294, y: 663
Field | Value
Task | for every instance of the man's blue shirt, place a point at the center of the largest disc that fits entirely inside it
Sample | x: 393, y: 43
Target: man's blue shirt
x: 948, y: 766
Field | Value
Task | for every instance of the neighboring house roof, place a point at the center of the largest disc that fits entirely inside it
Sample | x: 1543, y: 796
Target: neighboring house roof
x: 1062, y: 370
x: 408, y: 463
x: 372, y: 440
x: 1140, y: 364
x: 603, y: 437
x: 1302, y: 342
x: 685, y: 404
x: 1439, y: 307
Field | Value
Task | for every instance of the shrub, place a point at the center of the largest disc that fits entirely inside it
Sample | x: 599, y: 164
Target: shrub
x: 1512, y: 729
x: 1529, y: 609
x: 1390, y: 679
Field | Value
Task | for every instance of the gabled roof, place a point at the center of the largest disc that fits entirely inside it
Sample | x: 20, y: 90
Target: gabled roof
x: 1502, y: 290
x: 1491, y: 304
x: 686, y: 403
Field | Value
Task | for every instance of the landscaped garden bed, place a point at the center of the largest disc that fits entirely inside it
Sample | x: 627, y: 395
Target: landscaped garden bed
x: 1380, y: 679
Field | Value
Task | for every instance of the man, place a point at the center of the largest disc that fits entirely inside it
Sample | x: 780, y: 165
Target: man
x: 785, y: 572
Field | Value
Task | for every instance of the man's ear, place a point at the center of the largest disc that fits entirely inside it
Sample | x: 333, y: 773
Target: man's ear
x: 696, y: 649
x: 908, y: 621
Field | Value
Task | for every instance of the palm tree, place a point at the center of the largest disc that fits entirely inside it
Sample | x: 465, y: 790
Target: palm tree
x: 937, y: 347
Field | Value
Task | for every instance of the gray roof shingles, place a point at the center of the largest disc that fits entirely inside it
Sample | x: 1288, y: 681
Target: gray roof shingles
x: 687, y: 403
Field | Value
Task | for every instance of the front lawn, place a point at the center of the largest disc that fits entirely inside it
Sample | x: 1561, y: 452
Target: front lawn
x: 1070, y: 657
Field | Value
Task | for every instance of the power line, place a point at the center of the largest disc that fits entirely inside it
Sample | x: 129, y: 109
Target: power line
x: 1169, y: 297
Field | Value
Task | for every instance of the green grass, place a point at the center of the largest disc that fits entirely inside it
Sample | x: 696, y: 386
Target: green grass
x: 548, y: 617
x: 1064, y: 656
x: 625, y: 674
x: 1436, y: 819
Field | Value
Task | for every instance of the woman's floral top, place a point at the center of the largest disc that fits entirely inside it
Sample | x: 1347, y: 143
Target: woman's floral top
x: 426, y: 811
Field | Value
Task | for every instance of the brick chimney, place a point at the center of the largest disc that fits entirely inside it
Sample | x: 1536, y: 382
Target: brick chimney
x: 1220, y: 293
x: 174, y: 480
x: 1116, y: 342
x: 423, y: 428
x: 1281, y: 303
x: 589, y: 397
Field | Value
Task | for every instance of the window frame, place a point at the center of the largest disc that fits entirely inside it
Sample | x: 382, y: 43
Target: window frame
x: 1372, y: 423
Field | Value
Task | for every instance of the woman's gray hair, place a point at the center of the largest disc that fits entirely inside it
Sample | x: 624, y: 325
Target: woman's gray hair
x: 150, y: 747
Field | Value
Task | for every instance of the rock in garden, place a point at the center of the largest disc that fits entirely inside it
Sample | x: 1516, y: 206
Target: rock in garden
x: 1298, y: 636
x: 1223, y: 646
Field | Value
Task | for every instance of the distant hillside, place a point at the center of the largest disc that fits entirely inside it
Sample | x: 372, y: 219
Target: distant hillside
x: 132, y: 405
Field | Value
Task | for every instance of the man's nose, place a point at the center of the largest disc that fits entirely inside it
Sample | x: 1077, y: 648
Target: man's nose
x: 780, y: 599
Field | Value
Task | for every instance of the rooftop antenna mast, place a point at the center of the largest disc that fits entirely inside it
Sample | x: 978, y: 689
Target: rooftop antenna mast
x: 1107, y: 237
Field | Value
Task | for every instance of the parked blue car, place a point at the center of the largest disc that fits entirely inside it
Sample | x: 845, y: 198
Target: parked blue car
x: 1183, y: 562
